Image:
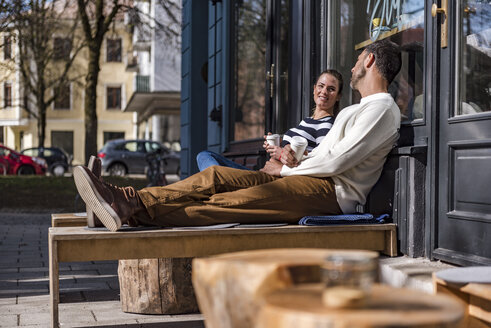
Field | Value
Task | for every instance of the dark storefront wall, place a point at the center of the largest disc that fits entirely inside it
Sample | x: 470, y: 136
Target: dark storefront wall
x: 435, y: 197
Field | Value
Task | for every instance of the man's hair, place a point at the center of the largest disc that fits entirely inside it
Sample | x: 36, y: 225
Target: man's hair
x: 387, y: 58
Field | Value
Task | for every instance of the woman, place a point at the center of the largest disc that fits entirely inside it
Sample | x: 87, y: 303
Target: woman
x: 327, y: 94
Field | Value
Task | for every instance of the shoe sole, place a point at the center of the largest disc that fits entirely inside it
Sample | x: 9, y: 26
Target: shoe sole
x: 92, y: 220
x: 94, y: 200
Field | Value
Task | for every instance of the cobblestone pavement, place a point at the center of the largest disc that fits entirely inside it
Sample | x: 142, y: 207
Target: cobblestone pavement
x: 89, y: 291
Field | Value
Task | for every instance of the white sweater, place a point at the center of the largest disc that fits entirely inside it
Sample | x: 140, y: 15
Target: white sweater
x: 354, y: 151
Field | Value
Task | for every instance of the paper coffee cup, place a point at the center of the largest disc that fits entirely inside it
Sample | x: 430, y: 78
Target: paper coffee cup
x: 273, y: 139
x: 298, y: 145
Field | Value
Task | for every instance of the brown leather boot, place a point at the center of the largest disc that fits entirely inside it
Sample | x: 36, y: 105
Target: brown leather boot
x: 95, y: 166
x: 112, y: 205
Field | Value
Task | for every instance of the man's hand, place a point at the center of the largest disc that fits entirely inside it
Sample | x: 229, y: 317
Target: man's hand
x: 287, y: 157
x: 272, y: 167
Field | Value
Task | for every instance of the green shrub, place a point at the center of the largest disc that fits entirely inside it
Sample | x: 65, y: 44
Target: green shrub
x: 48, y: 194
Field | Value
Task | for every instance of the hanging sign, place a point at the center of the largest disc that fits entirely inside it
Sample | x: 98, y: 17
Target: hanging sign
x: 384, y: 15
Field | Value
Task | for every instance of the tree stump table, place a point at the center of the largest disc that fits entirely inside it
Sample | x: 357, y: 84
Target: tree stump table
x: 157, y: 286
x: 230, y: 288
x: 386, y: 306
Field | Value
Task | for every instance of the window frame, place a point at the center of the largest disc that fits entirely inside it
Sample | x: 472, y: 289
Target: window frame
x: 7, y: 105
x: 114, y: 87
x: 110, y: 54
x: 62, y: 52
x: 7, y: 47
x: 69, y: 100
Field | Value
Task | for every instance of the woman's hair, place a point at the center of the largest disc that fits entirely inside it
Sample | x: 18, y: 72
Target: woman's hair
x: 338, y: 77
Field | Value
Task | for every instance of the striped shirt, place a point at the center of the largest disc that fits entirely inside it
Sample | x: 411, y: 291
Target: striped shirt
x: 312, y: 130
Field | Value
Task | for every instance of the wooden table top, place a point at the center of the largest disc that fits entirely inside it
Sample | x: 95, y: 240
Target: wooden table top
x: 387, y: 307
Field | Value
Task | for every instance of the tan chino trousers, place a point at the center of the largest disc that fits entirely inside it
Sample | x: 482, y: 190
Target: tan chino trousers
x: 226, y: 195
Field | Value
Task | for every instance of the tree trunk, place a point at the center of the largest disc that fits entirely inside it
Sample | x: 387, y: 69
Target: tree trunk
x: 90, y: 117
x: 41, y: 122
x: 157, y: 286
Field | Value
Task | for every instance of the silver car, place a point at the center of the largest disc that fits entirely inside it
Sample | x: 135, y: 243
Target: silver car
x: 121, y: 157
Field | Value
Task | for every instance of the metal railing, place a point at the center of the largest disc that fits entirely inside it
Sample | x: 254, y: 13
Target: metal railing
x: 142, y: 83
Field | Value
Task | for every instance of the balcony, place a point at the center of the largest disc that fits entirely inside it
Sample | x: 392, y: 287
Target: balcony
x: 132, y: 62
x: 142, y: 83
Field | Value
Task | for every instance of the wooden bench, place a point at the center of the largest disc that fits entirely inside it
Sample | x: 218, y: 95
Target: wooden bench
x: 76, y: 243
x: 68, y: 220
x: 475, y: 297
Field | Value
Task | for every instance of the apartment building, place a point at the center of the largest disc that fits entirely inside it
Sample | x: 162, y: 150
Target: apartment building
x: 157, y: 81
x: 65, y: 117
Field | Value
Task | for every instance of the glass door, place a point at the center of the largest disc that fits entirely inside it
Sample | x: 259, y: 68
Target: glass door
x: 463, y: 224
x: 261, y: 68
x: 279, y: 59
x: 249, y: 63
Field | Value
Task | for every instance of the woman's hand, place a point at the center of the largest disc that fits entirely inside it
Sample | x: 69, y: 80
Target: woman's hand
x: 273, y: 151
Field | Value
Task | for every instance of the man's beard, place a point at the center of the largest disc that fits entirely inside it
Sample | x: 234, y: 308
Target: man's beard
x: 356, y: 78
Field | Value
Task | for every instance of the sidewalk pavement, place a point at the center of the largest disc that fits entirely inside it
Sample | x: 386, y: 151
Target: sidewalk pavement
x: 89, y: 291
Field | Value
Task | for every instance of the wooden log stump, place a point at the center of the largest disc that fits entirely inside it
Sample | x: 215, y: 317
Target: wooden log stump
x: 157, y: 286
x: 302, y: 306
x: 230, y: 288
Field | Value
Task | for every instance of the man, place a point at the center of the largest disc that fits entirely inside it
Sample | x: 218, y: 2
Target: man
x: 332, y: 179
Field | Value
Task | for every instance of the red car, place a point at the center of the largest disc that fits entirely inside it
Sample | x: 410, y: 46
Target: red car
x: 13, y: 162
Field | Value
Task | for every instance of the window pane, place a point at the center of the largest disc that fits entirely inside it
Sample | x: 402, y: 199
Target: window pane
x: 363, y: 22
x: 284, y: 60
x: 475, y: 55
x: 250, y: 62
x: 151, y: 147
x: 63, y: 140
x: 131, y: 146
x: 61, y: 48
x: 7, y: 95
x: 62, y: 101
x: 112, y: 135
x: 114, y: 98
x: 7, y: 47
x: 114, y: 50
x: 31, y: 152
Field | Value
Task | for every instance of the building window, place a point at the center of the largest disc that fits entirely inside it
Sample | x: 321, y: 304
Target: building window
x: 7, y: 47
x: 113, y: 50
x: 62, y: 100
x: 250, y: 60
x: 63, y: 140
x: 402, y: 23
x: 111, y: 135
x: 113, y: 98
x: 62, y: 48
x: 7, y: 95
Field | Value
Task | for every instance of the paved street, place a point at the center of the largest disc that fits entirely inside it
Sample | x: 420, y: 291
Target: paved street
x: 89, y: 291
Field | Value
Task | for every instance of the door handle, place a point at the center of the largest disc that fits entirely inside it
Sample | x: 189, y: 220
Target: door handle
x: 444, y: 21
x: 270, y: 77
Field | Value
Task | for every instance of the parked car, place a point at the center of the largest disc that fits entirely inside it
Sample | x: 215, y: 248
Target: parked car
x: 121, y: 157
x: 20, y: 164
x: 58, y: 161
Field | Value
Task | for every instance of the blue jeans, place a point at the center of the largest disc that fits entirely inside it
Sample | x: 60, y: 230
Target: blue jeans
x: 207, y: 158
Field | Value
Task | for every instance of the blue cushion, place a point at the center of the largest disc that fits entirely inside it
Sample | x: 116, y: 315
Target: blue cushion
x: 342, y: 219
